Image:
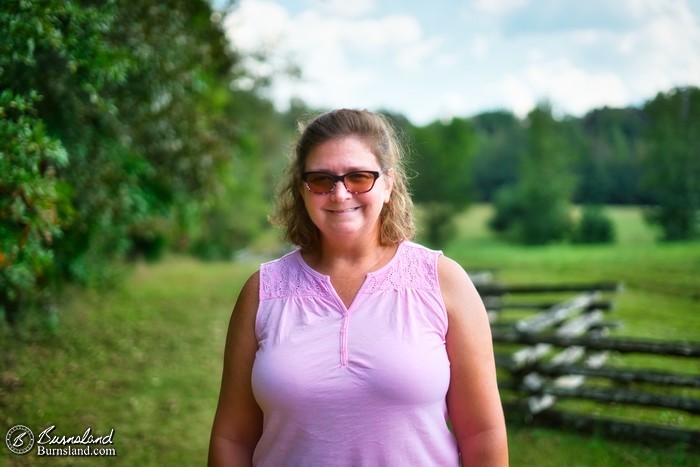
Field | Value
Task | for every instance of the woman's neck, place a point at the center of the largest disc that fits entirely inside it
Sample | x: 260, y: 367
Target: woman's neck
x: 337, y: 256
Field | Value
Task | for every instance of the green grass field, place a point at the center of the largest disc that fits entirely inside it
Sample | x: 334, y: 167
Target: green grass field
x: 144, y: 358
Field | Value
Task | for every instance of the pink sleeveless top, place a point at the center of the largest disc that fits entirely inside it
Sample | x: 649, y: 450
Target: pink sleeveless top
x: 358, y: 386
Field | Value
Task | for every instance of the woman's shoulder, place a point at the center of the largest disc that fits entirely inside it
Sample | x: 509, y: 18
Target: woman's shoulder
x: 418, y: 251
x: 251, y: 287
x: 446, y: 268
x: 281, y: 261
x: 458, y: 290
x: 413, y: 266
x: 289, y: 276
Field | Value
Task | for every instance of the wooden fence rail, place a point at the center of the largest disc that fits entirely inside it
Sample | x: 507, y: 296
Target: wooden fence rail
x: 561, y: 352
x: 623, y: 345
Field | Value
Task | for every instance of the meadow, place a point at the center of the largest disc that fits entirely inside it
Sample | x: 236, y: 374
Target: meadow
x: 144, y: 357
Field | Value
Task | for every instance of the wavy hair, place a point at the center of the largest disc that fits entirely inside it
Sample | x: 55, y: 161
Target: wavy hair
x: 377, y: 132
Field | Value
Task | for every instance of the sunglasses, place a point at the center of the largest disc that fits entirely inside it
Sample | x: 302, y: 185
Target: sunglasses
x: 357, y: 182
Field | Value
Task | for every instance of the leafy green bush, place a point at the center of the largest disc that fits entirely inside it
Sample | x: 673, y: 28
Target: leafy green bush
x: 508, y: 209
x: 530, y: 217
x: 32, y: 203
x: 438, y: 224
x: 594, y: 227
x: 110, y: 136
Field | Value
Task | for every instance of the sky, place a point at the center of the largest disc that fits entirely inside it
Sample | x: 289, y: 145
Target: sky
x: 437, y: 59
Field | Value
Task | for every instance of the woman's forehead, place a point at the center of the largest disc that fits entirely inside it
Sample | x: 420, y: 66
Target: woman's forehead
x: 349, y: 153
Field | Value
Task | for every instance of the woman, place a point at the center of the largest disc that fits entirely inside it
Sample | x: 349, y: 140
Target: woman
x: 358, y: 348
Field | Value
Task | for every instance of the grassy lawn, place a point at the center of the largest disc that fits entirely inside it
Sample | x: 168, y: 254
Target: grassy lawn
x: 660, y: 300
x: 145, y: 358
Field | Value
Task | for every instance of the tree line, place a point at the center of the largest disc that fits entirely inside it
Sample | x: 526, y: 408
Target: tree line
x: 124, y: 134
x: 533, y: 169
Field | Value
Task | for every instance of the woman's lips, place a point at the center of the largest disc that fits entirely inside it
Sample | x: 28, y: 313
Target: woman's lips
x: 342, y: 211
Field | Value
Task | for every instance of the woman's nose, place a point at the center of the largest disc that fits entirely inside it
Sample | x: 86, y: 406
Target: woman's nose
x: 340, y: 192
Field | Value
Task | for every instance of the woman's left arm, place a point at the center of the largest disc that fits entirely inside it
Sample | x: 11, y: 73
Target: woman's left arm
x: 473, y: 400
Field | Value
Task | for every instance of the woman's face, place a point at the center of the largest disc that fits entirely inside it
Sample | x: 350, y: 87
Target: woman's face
x: 341, y: 214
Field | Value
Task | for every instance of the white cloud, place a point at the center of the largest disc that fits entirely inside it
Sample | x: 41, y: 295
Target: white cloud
x: 570, y: 89
x: 428, y: 61
x: 415, y: 56
x: 498, y: 7
x: 257, y: 24
x: 586, y: 37
x: 340, y: 54
x: 480, y: 46
x: 661, y: 53
x: 345, y: 8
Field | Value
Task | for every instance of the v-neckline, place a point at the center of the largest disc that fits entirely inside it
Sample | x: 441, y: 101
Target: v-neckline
x: 327, y: 278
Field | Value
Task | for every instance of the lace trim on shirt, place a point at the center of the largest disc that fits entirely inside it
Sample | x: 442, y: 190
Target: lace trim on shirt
x: 414, y: 268
x: 286, y: 278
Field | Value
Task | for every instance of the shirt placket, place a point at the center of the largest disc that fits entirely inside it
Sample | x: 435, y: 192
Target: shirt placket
x: 345, y: 322
x: 344, y: 338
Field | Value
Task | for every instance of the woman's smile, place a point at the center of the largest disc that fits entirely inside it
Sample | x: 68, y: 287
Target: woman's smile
x: 344, y: 211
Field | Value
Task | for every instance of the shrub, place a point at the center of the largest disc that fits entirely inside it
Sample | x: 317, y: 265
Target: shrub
x: 508, y: 208
x: 438, y: 224
x: 594, y: 227
x: 32, y: 206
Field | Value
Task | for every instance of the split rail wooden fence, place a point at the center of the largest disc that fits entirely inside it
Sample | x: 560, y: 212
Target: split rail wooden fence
x: 558, y: 364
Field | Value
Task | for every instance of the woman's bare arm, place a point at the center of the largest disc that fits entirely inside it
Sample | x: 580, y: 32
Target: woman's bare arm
x: 473, y: 399
x: 238, y: 420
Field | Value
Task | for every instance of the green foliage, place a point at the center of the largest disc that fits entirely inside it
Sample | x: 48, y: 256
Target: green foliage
x: 609, y: 169
x: 118, y: 137
x: 500, y: 138
x: 443, y: 161
x: 443, y: 183
x: 437, y: 224
x: 608, y: 142
x: 227, y: 225
x: 508, y: 208
x: 594, y: 227
x: 536, y: 209
x: 31, y: 204
x: 672, y: 163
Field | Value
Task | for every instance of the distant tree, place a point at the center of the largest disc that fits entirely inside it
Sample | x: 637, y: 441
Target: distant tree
x: 536, y: 209
x: 673, y: 162
x: 443, y: 181
x: 609, y: 168
x: 443, y: 161
x: 499, y: 141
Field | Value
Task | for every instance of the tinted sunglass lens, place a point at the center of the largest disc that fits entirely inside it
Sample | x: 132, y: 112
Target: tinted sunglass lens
x: 320, y: 183
x: 359, y: 182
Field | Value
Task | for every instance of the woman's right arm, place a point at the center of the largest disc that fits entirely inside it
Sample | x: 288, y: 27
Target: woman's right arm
x: 238, y: 421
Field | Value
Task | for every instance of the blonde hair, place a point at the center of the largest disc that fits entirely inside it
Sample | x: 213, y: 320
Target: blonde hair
x: 377, y: 132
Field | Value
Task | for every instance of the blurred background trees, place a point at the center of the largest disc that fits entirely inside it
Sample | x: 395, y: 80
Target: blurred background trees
x: 125, y: 132
x: 443, y: 157
x: 120, y: 137
x: 672, y: 162
x: 536, y: 208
